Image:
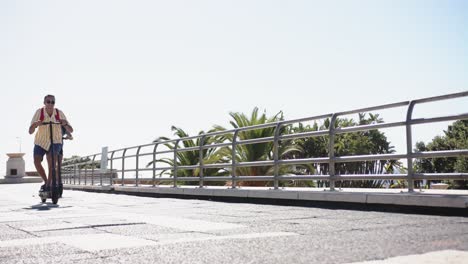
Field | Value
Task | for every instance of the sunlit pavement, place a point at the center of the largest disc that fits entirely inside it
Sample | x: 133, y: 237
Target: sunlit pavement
x: 109, y: 228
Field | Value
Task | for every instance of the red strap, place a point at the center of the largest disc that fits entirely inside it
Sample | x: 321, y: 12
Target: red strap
x: 57, y: 115
x: 42, y: 115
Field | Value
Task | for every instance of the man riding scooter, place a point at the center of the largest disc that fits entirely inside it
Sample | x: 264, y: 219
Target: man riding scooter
x: 42, y: 140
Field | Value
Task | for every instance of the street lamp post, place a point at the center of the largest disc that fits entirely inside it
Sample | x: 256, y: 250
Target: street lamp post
x: 19, y: 141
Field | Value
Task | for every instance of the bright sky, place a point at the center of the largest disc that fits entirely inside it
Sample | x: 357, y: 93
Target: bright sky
x: 125, y: 71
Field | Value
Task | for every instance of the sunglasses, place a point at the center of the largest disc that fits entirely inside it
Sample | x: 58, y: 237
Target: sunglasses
x: 50, y: 102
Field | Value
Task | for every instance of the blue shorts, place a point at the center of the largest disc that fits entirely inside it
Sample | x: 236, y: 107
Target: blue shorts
x: 39, y: 151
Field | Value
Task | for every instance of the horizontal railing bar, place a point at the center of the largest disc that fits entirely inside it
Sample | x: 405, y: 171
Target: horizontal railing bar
x: 304, y: 135
x: 368, y: 127
x: 303, y: 161
x: 129, y: 156
x: 303, y: 177
x: 227, y: 144
x: 344, y: 177
x: 187, y: 178
x: 439, y: 119
x: 441, y: 176
x: 69, y: 162
x: 148, y: 169
x: 441, y: 97
x: 164, y: 168
x: 419, y: 176
x: 144, y: 179
x: 255, y: 141
x: 255, y: 163
x: 146, y: 154
x: 355, y: 177
x: 305, y: 119
x: 216, y: 165
x: 255, y: 178
x: 78, y: 164
x: 188, y: 167
x: 217, y: 178
x: 188, y: 149
x: 440, y: 153
x: 370, y: 157
x: 127, y: 148
x: 367, y: 109
x: 164, y: 152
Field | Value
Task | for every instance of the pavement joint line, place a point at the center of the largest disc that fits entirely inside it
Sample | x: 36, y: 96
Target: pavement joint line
x: 25, y: 231
x: 89, y: 226
x: 97, y: 242
x: 180, y: 223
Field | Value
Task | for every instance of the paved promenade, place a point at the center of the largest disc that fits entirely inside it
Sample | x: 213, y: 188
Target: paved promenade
x: 91, y: 227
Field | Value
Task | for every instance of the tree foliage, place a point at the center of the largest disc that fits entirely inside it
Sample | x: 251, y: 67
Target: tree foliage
x: 455, y: 137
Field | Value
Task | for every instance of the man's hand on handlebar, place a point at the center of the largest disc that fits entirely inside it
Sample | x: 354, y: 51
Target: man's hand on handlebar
x: 37, y: 123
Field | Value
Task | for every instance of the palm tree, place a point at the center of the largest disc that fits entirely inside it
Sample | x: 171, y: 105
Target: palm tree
x: 186, y: 158
x: 258, y: 151
x: 356, y: 143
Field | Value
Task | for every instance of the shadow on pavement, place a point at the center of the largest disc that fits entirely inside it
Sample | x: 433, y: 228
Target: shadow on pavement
x: 45, y: 206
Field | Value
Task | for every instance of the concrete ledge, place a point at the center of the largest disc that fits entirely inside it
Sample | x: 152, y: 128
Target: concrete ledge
x: 419, y: 200
x: 88, y: 188
x: 425, y: 199
x: 20, y: 180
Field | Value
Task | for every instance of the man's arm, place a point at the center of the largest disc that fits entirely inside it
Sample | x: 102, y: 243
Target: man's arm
x: 65, y: 123
x: 35, y: 122
x: 67, y: 126
x: 33, y: 126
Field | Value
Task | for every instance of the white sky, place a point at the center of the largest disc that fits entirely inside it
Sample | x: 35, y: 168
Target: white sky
x: 125, y: 71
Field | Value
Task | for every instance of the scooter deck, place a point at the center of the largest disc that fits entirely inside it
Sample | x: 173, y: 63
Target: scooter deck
x: 44, y: 195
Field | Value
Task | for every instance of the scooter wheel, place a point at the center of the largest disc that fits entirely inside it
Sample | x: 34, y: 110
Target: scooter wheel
x: 55, y: 196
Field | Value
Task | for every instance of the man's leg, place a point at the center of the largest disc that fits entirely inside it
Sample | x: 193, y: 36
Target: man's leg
x: 38, y: 154
x: 49, y: 161
x: 39, y: 168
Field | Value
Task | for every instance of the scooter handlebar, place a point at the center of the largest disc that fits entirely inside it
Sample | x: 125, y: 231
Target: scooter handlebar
x: 49, y: 123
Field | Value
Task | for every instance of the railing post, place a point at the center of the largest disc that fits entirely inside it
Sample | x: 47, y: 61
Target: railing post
x: 276, y: 155
x: 123, y: 167
x: 331, y: 152
x: 79, y: 175
x: 200, y: 160
x: 111, y: 182
x: 74, y: 174
x: 86, y: 173
x: 154, y: 164
x: 103, y: 164
x: 137, y: 165
x: 233, y: 154
x: 92, y: 170
x: 409, y: 146
x: 176, y: 145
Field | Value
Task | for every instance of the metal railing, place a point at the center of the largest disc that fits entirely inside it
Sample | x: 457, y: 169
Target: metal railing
x: 74, y: 171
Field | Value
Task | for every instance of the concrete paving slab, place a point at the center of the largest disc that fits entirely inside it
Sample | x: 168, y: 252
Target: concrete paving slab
x: 438, y: 257
x: 181, y: 223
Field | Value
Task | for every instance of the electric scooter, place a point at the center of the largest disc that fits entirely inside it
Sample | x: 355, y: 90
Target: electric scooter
x: 57, y: 188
